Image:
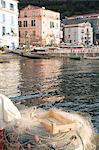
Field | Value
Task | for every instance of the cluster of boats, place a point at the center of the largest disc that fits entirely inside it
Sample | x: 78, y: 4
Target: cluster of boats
x: 48, y: 52
x: 40, y: 52
x: 45, y: 53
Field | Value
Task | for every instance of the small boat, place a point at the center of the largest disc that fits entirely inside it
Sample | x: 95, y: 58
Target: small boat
x: 18, y: 52
x: 3, y: 60
x: 2, y: 52
x: 75, y: 57
x: 92, y: 58
x: 36, y: 55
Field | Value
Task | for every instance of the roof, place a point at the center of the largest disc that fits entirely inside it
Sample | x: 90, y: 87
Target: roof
x: 36, y: 7
x: 89, y: 14
x: 30, y: 6
x: 73, y: 21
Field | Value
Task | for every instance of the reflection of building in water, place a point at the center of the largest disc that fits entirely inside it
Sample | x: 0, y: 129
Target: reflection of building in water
x: 42, y: 69
x: 41, y: 80
x: 50, y: 68
x: 9, y: 78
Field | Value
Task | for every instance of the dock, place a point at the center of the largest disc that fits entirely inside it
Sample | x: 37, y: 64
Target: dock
x: 50, y: 52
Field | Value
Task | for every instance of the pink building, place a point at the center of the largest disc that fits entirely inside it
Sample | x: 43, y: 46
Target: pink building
x: 38, y: 26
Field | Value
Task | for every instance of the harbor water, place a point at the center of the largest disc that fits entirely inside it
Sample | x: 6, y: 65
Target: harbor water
x: 71, y: 85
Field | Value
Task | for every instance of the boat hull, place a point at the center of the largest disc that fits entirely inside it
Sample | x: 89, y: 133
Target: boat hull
x: 75, y: 57
x: 92, y: 58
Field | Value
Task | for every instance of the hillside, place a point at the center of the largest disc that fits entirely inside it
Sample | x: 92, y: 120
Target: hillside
x: 65, y: 7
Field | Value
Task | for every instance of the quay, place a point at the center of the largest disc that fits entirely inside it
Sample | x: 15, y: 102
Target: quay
x: 51, y: 52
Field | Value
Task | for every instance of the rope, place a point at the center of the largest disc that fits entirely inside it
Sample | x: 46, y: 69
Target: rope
x: 60, y: 141
x: 80, y: 140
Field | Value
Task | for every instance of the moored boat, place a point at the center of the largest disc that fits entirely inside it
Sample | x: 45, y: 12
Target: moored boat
x: 93, y: 58
x: 75, y: 57
x: 4, y: 60
x: 37, y: 53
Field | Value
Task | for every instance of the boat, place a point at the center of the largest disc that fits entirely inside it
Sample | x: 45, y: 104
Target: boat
x: 2, y: 52
x: 38, y: 53
x: 17, y: 51
x: 75, y: 57
x: 4, y: 60
x: 32, y: 128
x: 68, y: 45
x: 41, y: 52
x: 92, y: 58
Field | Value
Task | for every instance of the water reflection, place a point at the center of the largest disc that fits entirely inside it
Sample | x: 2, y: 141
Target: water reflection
x: 40, y: 81
x: 61, y: 83
x: 10, y: 78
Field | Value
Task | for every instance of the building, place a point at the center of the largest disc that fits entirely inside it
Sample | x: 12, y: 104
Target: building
x: 91, y: 18
x: 9, y: 23
x: 39, y: 26
x: 79, y: 34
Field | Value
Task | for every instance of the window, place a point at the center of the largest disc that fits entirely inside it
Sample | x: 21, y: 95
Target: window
x: 56, y: 25
x: 3, y: 17
x: 70, y: 41
x: 12, y: 30
x: 82, y: 31
x: 82, y: 38
x: 87, y: 30
x: 25, y: 24
x: 12, y: 20
x: 32, y: 22
x: 19, y: 33
x: 25, y: 14
x: 26, y: 33
x: 97, y: 36
x: 20, y: 23
x: 33, y: 33
x: 3, y: 30
x: 11, y: 6
x: 69, y: 36
x: 3, y: 4
x: 51, y: 24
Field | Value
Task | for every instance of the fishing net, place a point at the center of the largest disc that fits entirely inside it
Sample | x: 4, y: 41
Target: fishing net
x: 43, y: 141
x: 29, y: 134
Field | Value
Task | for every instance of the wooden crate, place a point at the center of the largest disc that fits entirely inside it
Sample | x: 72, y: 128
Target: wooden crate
x: 54, y: 122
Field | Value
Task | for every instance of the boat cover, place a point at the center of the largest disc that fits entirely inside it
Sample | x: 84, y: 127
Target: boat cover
x: 8, y: 111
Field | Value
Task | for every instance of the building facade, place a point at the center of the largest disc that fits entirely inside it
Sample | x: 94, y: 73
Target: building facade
x: 38, y: 26
x: 9, y: 23
x: 91, y: 18
x: 80, y: 34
